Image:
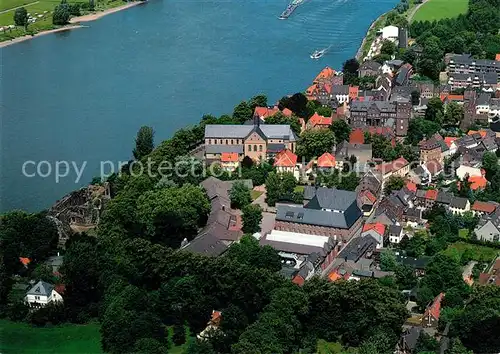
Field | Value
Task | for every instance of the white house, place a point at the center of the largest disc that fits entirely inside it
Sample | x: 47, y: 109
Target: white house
x: 41, y: 294
x: 395, y: 233
x: 463, y: 170
x: 390, y: 32
x: 459, y: 205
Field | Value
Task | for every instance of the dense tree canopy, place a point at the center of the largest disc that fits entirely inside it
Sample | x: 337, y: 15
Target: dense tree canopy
x: 315, y: 142
x: 144, y: 142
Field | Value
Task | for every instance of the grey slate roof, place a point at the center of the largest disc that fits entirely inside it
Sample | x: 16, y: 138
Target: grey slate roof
x: 332, y: 198
x: 275, y: 147
x: 483, y: 99
x: 416, y: 263
x: 395, y: 229
x: 458, y: 202
x: 271, y: 131
x: 370, y: 65
x: 207, y: 244
x: 357, y: 248
x: 219, y: 149
x: 41, y: 288
x: 444, y: 198
x: 307, y: 216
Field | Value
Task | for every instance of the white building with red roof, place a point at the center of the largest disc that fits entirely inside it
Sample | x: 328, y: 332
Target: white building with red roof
x: 286, y: 161
x: 229, y: 161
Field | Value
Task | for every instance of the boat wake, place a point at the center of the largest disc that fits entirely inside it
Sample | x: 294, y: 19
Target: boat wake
x: 319, y: 53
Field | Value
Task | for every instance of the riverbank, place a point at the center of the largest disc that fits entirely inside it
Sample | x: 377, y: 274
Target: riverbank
x: 74, y: 23
x: 370, y: 36
x: 39, y: 34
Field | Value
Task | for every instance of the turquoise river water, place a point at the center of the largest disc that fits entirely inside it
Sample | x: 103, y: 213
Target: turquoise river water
x: 80, y: 96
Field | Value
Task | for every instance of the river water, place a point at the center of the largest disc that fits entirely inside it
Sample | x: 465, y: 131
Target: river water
x: 81, y: 96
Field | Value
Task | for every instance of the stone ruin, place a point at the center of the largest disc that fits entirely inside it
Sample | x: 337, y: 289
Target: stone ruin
x: 79, y: 211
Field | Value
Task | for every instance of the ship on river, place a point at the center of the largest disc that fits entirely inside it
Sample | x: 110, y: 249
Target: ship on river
x: 290, y: 9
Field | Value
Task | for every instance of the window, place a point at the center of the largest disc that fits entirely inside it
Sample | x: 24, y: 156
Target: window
x: 232, y: 142
x: 260, y: 148
x: 255, y: 148
x: 226, y: 141
x: 209, y: 141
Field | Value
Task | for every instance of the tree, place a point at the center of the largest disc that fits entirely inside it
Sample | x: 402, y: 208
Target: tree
x: 144, y: 142
x: 434, y: 109
x: 251, y: 217
x: 279, y: 186
x: 454, y: 114
x: 348, y: 182
x: 426, y: 343
x: 324, y: 111
x: 490, y: 164
x: 297, y: 103
x: 21, y: 17
x: 280, y: 118
x: 350, y: 66
x: 61, y: 14
x: 341, y: 130
x: 242, y: 112
x: 456, y: 347
x: 172, y: 214
x: 420, y: 128
x: 388, y: 260
x: 405, y: 277
x: 249, y: 252
x: 394, y: 183
x: 388, y: 48
x: 43, y: 272
x: 149, y: 346
x: 315, y: 142
x: 258, y: 101
x: 240, y: 195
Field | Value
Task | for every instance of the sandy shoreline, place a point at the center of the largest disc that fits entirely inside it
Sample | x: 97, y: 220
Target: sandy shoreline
x: 74, y: 23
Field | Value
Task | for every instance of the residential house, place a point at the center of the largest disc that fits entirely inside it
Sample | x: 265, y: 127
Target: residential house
x: 329, y: 212
x: 402, y: 93
x: 298, y: 248
x: 488, y: 228
x: 229, y: 161
x: 431, y: 149
x: 391, y: 209
x: 395, y: 233
x: 371, y: 181
x: 344, y: 150
x: 357, y: 136
x: 212, y: 326
x: 399, y: 167
x: 403, y: 75
x: 462, y: 171
x: 366, y: 201
x: 434, y: 168
x: 432, y: 312
x: 483, y: 103
x: 381, y: 114
x: 257, y: 141
x: 223, y: 224
x: 459, y: 205
x: 41, y: 294
x: 486, y: 81
x: 318, y: 122
x: 286, y: 161
x: 483, y: 208
x: 426, y: 89
x: 492, y: 277
x: 478, y: 182
x: 418, y: 264
x: 326, y: 162
x: 464, y: 63
x: 452, y: 147
x: 375, y: 230
x: 390, y: 32
x: 369, y: 68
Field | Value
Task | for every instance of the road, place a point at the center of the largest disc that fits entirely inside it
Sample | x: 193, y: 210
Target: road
x: 414, y: 11
x: 18, y: 7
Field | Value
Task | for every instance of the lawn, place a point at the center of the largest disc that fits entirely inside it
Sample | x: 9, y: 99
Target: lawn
x: 439, y: 9
x: 71, y: 339
x: 476, y: 252
x: 255, y: 194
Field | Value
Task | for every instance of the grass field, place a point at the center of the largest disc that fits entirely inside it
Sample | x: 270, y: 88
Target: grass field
x: 439, y: 9
x: 21, y: 338
x: 477, y: 252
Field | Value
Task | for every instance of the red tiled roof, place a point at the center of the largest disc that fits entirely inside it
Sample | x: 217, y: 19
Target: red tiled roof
x: 285, y: 158
x: 435, y: 308
x: 60, y: 289
x: 497, y: 57
x: 369, y: 195
x: 450, y: 97
x: 484, y: 207
x: 333, y: 276
x: 395, y: 165
x: 353, y: 92
x: 25, y: 261
x: 287, y: 112
x: 229, y: 157
x: 482, y: 132
x: 316, y: 119
x: 431, y: 194
x: 378, y: 227
x: 357, y: 136
x: 326, y: 73
x: 433, y: 166
x: 326, y: 160
x: 264, y: 112
x: 449, y: 140
x: 298, y: 280
x: 477, y: 182
x: 411, y: 186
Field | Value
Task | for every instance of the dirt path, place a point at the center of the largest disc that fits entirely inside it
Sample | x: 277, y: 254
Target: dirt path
x: 18, y: 7
x: 414, y: 11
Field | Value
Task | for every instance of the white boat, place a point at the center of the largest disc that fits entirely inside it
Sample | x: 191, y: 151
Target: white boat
x: 318, y: 54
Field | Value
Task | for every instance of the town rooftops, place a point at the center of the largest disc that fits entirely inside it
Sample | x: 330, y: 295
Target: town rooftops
x: 357, y: 136
x: 435, y: 307
x: 264, y: 112
x: 458, y: 202
x: 41, y: 288
x: 285, y: 158
x: 382, y: 106
x: 332, y: 198
x: 220, y: 149
x: 416, y: 263
x: 431, y: 194
x: 377, y: 227
x: 299, y: 243
x: 370, y: 65
x: 477, y: 182
x: 316, y: 119
x: 270, y: 131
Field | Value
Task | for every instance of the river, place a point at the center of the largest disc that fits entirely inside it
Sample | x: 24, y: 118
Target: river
x: 80, y: 96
